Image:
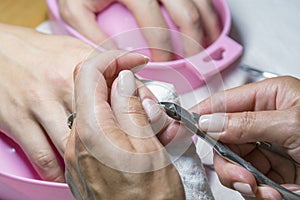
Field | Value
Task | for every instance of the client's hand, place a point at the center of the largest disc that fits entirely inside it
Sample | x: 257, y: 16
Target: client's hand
x: 195, y: 18
x: 112, y: 152
x: 36, y: 93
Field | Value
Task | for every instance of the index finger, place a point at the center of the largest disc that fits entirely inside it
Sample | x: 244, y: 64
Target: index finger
x: 250, y: 97
x: 186, y: 16
x: 93, y: 76
x: 83, y: 19
x: 238, y: 178
x: 147, y: 14
x: 91, y: 96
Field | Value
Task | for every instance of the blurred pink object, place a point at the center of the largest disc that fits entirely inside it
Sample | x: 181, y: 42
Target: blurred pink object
x: 185, y: 74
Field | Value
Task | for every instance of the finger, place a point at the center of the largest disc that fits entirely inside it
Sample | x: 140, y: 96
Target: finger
x: 159, y: 40
x: 265, y: 192
x: 130, y: 115
x: 209, y: 19
x: 82, y: 18
x: 238, y: 178
x: 111, y: 63
x: 165, y: 128
x: 156, y: 116
x: 235, y: 177
x: 255, y: 96
x: 293, y: 187
x: 33, y: 141
x: 103, y: 64
x: 52, y: 117
x: 91, y: 93
x: 239, y: 128
x: 187, y: 17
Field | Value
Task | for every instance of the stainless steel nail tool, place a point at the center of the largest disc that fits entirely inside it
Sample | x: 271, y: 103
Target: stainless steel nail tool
x: 255, y: 74
x: 190, y: 121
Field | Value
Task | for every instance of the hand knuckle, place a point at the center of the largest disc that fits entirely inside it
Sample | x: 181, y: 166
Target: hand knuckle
x: 162, y: 37
x: 247, y: 122
x: 193, y: 18
x: 44, y: 159
x: 34, y: 96
x: 57, y: 77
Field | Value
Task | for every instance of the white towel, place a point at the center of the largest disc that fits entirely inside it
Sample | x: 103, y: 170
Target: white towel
x: 193, y: 175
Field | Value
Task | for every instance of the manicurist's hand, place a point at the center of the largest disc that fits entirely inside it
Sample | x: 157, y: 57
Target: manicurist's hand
x: 113, y: 152
x: 195, y: 18
x: 36, y: 89
x: 264, y: 111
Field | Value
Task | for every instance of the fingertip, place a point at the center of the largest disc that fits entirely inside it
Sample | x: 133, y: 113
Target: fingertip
x: 243, y: 188
x: 145, y: 59
x: 153, y: 110
x: 126, y: 85
x: 169, y: 134
x: 213, y: 122
x: 235, y: 176
x: 176, y: 134
x: 266, y: 192
x: 131, y: 61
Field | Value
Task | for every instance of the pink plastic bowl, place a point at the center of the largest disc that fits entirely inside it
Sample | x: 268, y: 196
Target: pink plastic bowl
x: 18, y: 179
x: 185, y: 74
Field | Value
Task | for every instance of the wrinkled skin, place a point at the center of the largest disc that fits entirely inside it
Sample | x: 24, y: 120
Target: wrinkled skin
x: 36, y: 93
x: 111, y: 121
x: 196, y: 19
x: 264, y: 111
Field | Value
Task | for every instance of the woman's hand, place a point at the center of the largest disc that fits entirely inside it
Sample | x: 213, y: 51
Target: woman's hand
x: 266, y: 111
x: 36, y: 93
x: 113, y: 152
x: 194, y: 18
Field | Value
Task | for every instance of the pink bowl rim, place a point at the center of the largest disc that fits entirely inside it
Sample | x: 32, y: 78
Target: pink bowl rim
x: 33, y: 181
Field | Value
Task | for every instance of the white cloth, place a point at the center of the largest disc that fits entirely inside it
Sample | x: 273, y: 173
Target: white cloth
x: 193, y: 176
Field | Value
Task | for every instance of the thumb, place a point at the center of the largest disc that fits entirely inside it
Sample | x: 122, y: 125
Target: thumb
x: 243, y: 127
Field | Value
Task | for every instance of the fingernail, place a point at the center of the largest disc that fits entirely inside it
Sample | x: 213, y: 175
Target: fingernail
x: 138, y: 68
x: 146, y: 59
x: 168, y: 135
x: 215, y: 135
x: 265, y: 193
x: 244, y: 188
x: 152, y: 109
x: 213, y: 123
x: 126, y: 83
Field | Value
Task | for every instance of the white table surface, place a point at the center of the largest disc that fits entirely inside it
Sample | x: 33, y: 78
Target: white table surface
x: 269, y: 31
